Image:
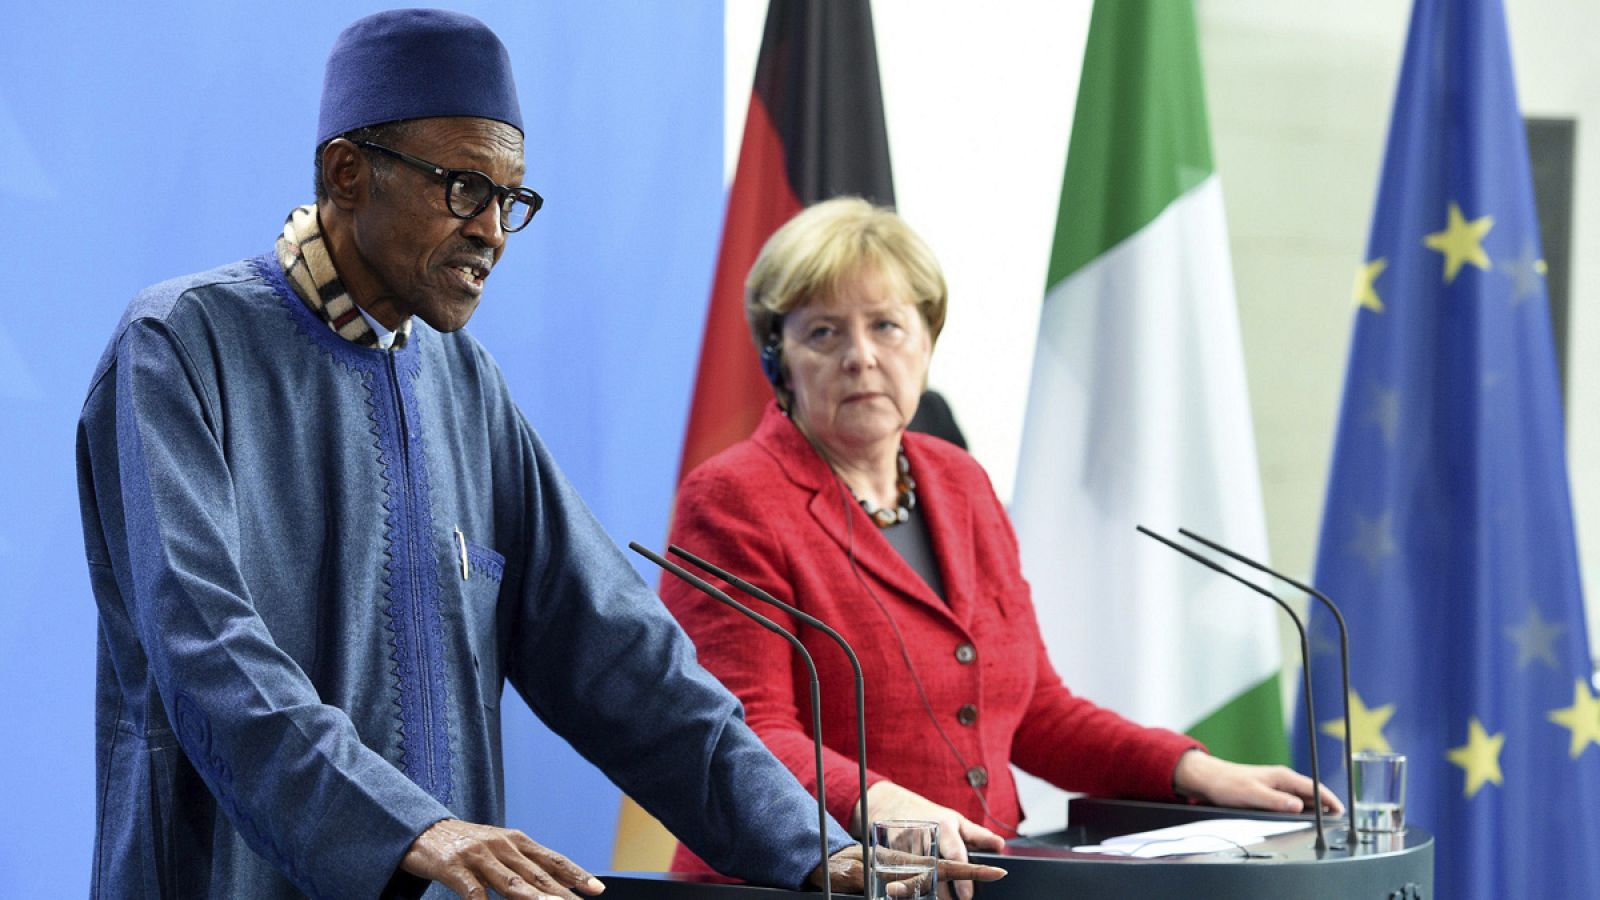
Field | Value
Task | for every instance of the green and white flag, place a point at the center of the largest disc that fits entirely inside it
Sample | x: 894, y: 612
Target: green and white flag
x: 1138, y: 412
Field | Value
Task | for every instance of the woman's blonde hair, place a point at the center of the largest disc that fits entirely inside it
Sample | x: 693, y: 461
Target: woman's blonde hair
x: 825, y: 245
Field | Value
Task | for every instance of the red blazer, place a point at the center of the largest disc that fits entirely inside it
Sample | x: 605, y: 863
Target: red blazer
x: 771, y: 511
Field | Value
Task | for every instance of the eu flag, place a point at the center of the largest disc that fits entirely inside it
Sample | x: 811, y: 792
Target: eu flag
x: 1447, y: 531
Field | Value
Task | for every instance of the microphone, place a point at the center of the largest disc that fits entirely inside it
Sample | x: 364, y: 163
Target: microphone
x: 1321, y: 845
x: 816, y: 692
x: 1344, y: 661
x: 825, y: 628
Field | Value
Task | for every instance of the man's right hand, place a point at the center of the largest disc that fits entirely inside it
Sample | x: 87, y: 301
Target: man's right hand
x: 471, y: 859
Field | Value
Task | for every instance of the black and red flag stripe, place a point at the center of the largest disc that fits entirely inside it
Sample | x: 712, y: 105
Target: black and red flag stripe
x: 814, y: 130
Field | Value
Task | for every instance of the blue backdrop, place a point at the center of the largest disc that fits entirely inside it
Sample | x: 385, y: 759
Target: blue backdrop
x: 144, y: 141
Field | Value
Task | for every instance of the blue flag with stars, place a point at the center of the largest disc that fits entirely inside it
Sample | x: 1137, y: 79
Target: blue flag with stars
x: 1447, y: 532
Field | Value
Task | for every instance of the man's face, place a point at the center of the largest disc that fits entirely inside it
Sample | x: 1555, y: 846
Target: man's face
x: 413, y: 256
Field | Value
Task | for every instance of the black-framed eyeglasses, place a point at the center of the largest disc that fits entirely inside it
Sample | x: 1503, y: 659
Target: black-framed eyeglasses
x: 467, y: 192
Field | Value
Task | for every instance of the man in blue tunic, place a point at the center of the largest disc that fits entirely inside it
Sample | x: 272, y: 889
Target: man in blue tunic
x: 321, y: 537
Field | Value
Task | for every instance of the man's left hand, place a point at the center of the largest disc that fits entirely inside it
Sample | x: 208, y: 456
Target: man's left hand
x: 848, y: 873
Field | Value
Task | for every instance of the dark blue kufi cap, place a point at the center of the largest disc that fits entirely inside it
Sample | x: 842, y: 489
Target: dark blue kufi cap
x: 416, y: 64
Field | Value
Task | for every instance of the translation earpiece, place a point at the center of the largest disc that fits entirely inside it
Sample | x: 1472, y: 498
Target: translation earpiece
x: 772, y: 362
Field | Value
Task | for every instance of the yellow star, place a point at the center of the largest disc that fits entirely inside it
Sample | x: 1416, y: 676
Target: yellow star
x: 1374, y: 541
x: 1365, y: 294
x: 1582, y: 718
x: 1385, y: 411
x: 1524, y: 272
x: 1535, y: 638
x: 1461, y: 242
x: 1366, y: 726
x: 1479, y: 756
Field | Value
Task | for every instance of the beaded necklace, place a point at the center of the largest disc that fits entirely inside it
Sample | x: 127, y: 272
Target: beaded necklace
x: 887, y: 517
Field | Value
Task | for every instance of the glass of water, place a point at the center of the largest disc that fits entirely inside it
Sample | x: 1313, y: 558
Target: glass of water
x: 1380, y: 792
x: 904, y: 851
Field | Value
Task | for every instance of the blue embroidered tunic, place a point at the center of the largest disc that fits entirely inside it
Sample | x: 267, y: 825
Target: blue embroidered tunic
x: 316, y: 564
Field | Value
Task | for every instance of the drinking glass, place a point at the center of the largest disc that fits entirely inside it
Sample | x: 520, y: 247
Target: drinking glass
x: 1380, y: 791
x: 904, y: 851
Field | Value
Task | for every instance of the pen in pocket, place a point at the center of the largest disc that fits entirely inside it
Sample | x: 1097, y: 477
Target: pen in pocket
x: 461, y: 542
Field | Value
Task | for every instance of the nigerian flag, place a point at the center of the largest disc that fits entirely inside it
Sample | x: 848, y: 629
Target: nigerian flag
x: 1138, y: 412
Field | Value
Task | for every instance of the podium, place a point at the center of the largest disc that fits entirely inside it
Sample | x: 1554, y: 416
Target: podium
x: 1392, y: 867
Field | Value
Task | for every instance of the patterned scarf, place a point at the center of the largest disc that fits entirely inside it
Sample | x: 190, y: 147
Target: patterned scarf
x: 305, y: 260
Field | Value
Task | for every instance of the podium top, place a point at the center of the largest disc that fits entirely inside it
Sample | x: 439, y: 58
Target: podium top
x: 1045, y: 866
x: 1093, y: 821
x: 1288, y: 865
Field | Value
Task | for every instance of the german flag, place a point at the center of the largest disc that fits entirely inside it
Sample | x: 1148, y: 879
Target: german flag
x: 814, y: 130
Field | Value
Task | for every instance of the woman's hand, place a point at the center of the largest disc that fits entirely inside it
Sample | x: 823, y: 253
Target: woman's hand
x: 1218, y: 782
x: 887, y: 800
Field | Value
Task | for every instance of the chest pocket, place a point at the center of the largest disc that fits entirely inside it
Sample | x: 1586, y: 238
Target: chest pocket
x: 480, y: 571
x: 1005, y: 632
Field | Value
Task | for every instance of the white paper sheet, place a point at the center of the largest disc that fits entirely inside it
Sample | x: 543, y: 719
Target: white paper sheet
x: 1207, y: 836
